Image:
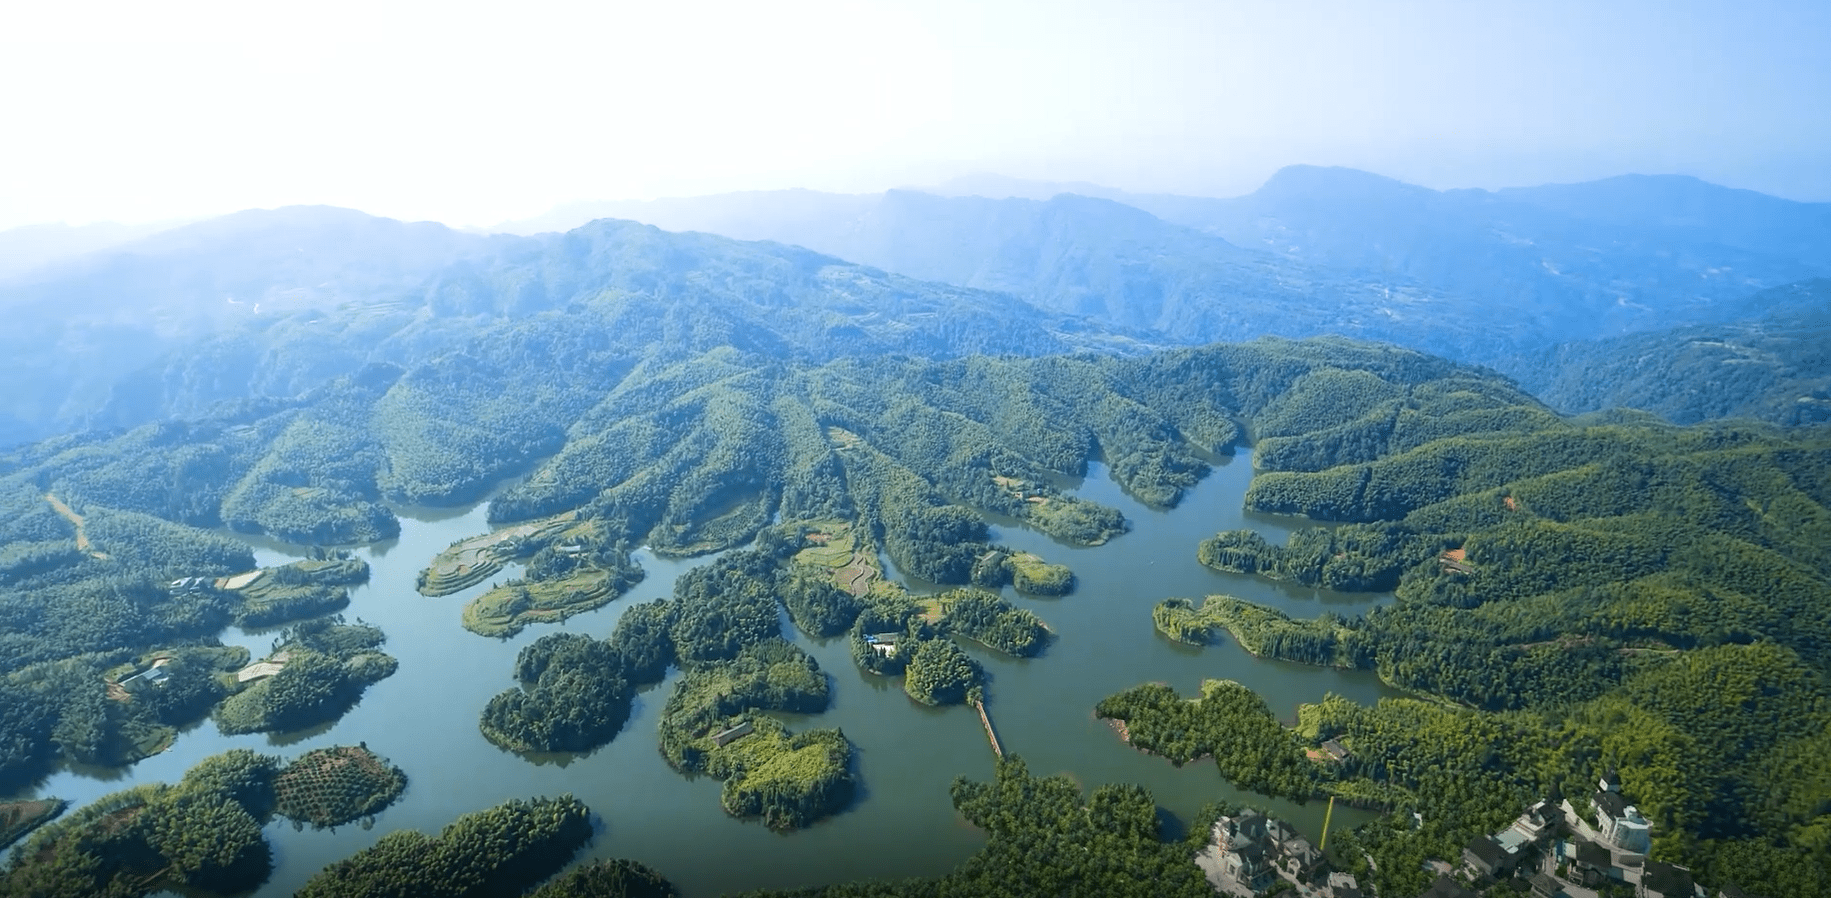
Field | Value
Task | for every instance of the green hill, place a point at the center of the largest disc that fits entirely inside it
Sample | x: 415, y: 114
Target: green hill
x: 269, y: 305
x: 1774, y: 368
x: 1572, y: 593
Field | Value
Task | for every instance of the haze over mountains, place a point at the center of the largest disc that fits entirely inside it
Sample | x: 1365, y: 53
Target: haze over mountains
x: 308, y: 373
x: 35, y: 246
x: 273, y: 303
x: 1568, y: 261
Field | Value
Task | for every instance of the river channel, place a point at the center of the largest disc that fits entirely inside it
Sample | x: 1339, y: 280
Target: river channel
x: 424, y: 717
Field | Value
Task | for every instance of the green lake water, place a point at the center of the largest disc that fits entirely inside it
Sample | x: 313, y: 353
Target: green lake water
x: 424, y: 718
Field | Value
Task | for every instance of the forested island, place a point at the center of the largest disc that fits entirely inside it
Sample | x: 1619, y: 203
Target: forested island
x: 722, y: 628
x: 569, y: 566
x: 502, y: 851
x: 318, y: 670
x: 204, y: 833
x: 1046, y: 837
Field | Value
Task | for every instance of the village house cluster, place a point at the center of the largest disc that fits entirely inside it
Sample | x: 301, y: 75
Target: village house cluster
x: 1251, y: 852
x: 1565, y: 853
x: 1555, y: 850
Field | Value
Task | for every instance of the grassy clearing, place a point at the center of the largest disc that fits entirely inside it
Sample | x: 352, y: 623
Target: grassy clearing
x: 836, y: 547
x: 505, y: 610
x: 789, y: 780
x: 76, y: 520
x: 1031, y: 574
x: 471, y: 561
x: 20, y: 817
x: 241, y: 581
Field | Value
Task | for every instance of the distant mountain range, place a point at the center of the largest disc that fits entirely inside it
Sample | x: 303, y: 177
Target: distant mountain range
x: 1587, y: 260
x: 76, y: 327
x: 36, y: 246
x: 1475, y: 275
x: 274, y: 303
x: 1110, y: 262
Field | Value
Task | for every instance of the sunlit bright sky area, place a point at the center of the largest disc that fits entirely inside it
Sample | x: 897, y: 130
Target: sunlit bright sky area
x: 473, y: 113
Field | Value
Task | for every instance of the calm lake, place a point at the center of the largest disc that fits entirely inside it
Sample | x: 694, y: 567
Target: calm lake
x: 424, y: 718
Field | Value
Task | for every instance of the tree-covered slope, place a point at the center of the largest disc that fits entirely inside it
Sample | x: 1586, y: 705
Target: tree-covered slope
x: 77, y: 328
x: 1775, y: 368
x: 687, y: 453
x: 1553, y: 575
x: 1471, y: 274
x: 273, y: 304
x: 1584, y: 594
x: 694, y: 450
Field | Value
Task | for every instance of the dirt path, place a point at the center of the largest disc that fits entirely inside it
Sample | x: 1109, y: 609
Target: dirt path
x: 76, y: 520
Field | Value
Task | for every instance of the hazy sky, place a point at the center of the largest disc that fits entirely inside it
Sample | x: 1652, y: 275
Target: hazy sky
x: 471, y: 113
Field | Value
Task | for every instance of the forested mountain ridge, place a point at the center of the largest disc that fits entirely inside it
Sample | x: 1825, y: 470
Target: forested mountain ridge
x: 269, y: 305
x: 1110, y: 262
x: 443, y: 431
x: 1579, y: 262
x: 1319, y: 250
x: 78, y: 327
x: 272, y: 304
x: 1774, y: 368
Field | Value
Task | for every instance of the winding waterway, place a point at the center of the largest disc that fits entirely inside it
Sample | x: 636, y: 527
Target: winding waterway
x: 424, y: 717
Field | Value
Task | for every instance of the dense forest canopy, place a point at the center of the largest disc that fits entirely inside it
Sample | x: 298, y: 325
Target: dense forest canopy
x: 505, y: 850
x: 203, y: 833
x: 1775, y: 366
x: 263, y: 306
x: 1047, y: 838
x: 1587, y: 594
x: 1553, y: 575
